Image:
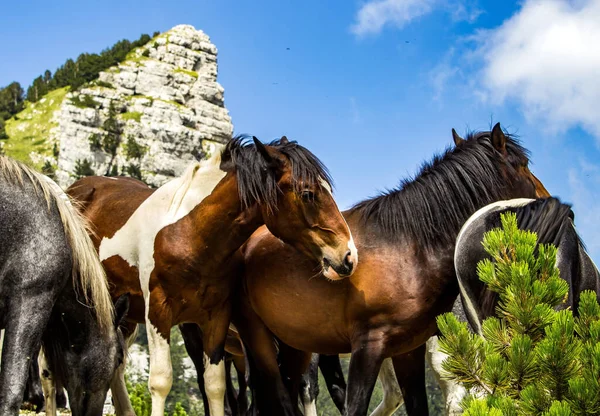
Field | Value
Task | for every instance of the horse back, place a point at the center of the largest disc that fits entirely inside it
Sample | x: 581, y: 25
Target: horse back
x: 108, y: 202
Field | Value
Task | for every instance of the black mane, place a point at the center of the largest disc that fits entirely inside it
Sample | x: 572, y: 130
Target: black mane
x: 544, y: 216
x: 257, y: 182
x: 433, y: 206
x: 548, y: 217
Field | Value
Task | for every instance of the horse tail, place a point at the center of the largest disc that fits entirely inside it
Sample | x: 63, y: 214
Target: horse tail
x: 88, y: 273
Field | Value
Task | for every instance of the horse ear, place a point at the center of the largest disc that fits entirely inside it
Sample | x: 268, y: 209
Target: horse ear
x: 284, y: 140
x: 262, y: 150
x: 457, y: 139
x: 272, y: 161
x: 121, y: 309
x: 498, y: 139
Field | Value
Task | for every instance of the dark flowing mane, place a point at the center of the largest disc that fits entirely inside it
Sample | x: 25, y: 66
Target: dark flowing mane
x: 549, y: 218
x: 432, y: 207
x: 544, y: 216
x: 257, y: 183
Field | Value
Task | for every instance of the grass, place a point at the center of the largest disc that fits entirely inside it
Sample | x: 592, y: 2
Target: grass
x: 193, y: 74
x: 132, y: 115
x: 29, y: 132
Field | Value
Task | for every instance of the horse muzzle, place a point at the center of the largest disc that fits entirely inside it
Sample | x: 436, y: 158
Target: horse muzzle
x: 342, y: 268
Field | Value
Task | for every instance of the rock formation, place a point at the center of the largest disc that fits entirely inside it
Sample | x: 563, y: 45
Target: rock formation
x: 148, y: 117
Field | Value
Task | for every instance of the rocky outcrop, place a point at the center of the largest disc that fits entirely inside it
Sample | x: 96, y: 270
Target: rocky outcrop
x: 148, y: 117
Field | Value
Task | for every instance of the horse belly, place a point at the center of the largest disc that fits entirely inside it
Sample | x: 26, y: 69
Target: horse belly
x: 305, y: 314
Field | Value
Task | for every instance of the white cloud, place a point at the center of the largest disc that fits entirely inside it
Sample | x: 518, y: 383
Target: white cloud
x: 547, y: 58
x: 375, y: 14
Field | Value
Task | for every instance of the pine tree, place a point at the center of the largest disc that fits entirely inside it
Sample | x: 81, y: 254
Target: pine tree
x: 531, y: 359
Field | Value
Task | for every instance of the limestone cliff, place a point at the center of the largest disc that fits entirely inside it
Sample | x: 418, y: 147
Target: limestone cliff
x: 150, y: 116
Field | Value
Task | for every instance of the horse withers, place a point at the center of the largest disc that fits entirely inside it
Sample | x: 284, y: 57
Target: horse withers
x: 174, y: 249
x: 53, y: 293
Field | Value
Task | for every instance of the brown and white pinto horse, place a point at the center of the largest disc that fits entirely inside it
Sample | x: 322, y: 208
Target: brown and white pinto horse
x: 406, y: 277
x: 171, y: 249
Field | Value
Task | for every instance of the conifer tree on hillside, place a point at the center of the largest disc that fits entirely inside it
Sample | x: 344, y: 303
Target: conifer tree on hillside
x: 532, y: 359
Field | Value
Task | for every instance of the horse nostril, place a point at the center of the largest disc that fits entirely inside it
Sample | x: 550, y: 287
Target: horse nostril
x: 347, y: 261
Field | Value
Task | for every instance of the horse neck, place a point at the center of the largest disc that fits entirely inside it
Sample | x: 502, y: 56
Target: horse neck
x: 222, y: 222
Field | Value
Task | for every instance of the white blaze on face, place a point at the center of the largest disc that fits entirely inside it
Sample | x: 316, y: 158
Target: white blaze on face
x: 351, y: 245
x: 495, y: 206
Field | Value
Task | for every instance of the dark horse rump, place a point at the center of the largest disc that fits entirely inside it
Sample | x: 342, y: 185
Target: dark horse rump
x: 53, y: 293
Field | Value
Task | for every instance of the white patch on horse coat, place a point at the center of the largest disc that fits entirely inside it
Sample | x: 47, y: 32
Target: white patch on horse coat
x: 160, y: 378
x: 392, y: 395
x: 214, y: 384
x: 453, y: 392
x: 134, y: 242
x: 495, y: 206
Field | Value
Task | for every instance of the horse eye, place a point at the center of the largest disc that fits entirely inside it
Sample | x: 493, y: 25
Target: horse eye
x: 308, y: 196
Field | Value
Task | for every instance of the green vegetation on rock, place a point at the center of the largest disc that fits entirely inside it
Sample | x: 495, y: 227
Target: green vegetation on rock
x: 28, y: 130
x: 84, y: 101
x: 132, y: 115
x: 193, y: 74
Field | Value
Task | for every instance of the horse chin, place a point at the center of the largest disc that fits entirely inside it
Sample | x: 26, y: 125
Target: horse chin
x: 331, y: 274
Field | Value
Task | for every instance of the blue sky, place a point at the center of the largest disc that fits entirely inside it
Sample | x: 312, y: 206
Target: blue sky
x: 372, y: 87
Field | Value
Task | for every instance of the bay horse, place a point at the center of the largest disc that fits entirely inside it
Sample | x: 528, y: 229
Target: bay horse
x: 387, y: 308
x: 53, y: 294
x: 553, y: 222
x: 173, y: 248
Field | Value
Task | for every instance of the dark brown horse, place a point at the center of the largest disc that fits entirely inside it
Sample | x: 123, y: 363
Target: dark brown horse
x: 387, y: 308
x: 171, y: 249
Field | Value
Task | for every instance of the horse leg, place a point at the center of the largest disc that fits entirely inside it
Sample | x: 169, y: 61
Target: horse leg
x: 453, y: 392
x: 293, y: 364
x: 392, y: 396
x: 230, y: 393
x: 192, y: 339
x: 331, y: 369
x: 365, y: 363
x: 48, y: 385
x: 269, y: 394
x: 118, y: 388
x: 309, y: 387
x: 158, y: 329
x: 21, y: 340
x: 33, y: 391
x: 239, y: 363
x: 410, y: 373
x: 214, y: 335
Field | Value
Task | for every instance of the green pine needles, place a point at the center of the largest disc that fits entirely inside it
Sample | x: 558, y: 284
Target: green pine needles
x: 531, y: 359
